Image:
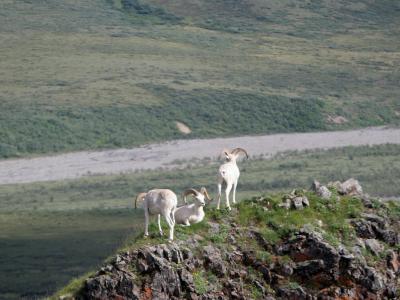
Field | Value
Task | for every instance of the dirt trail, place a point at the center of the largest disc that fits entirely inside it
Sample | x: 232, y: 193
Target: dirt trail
x: 78, y: 164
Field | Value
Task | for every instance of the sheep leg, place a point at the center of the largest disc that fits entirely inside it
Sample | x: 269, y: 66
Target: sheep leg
x: 171, y: 227
x: 186, y: 223
x: 234, y: 192
x: 159, y: 224
x: 219, y: 193
x: 146, y: 220
x: 173, y: 216
x: 227, y: 192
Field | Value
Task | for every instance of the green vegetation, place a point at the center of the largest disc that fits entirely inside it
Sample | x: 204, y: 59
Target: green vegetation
x: 331, y: 214
x: 73, y: 225
x: 202, y: 281
x: 100, y: 74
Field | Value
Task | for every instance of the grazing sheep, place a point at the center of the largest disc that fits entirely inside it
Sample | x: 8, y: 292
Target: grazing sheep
x: 229, y: 173
x: 159, y: 202
x: 192, y: 213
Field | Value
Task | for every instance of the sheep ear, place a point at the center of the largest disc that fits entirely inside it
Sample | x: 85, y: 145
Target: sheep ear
x: 224, y: 153
x: 205, y: 193
x: 227, y: 155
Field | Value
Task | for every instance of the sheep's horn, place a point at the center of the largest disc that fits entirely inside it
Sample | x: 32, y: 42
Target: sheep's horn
x: 189, y: 192
x: 205, y: 193
x: 237, y: 150
x: 139, y: 197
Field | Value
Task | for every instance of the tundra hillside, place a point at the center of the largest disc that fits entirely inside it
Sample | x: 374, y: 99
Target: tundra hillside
x: 326, y: 243
x: 92, y: 74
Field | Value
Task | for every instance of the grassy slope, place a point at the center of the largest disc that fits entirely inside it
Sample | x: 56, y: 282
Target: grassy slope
x: 93, y: 74
x: 78, y: 223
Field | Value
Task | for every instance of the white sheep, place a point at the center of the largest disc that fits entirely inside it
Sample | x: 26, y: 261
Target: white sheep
x: 229, y: 173
x: 159, y: 202
x: 192, y: 213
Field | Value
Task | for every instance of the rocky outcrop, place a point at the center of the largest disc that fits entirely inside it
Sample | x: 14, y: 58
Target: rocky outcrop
x: 321, y: 190
x: 349, y: 187
x: 168, y: 272
x: 295, y: 200
x: 227, y: 261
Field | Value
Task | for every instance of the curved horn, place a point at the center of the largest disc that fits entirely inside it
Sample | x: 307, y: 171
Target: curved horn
x: 139, y: 197
x: 205, y: 193
x: 237, y: 150
x: 189, y: 192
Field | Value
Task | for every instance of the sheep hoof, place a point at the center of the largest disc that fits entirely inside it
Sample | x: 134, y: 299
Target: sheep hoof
x: 161, y: 233
x: 229, y: 208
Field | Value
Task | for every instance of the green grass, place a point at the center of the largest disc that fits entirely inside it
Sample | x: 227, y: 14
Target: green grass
x: 282, y: 223
x: 102, y: 74
x: 64, y: 229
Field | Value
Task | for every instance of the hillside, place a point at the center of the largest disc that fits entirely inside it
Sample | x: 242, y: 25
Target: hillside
x: 342, y: 245
x: 92, y: 74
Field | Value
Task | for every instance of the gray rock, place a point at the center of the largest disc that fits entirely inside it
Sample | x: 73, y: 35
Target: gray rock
x: 372, y: 280
x: 363, y: 228
x: 321, y: 190
x: 311, y: 246
x: 291, y: 293
x: 287, y: 270
x: 390, y: 237
x: 315, y: 185
x: 374, y: 246
x: 367, y: 201
x: 381, y: 222
x: 324, y: 192
x: 309, y: 268
x: 110, y: 286
x: 350, y: 187
x: 305, y: 201
x: 213, y: 260
x: 297, y: 202
x: 393, y: 261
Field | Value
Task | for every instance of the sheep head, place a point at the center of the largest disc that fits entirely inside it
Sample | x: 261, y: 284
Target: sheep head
x: 203, y: 190
x: 199, y: 197
x: 140, y: 197
x: 234, y: 154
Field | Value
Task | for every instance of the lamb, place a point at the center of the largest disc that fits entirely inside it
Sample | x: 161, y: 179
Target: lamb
x: 159, y: 202
x: 192, y: 213
x: 229, y: 173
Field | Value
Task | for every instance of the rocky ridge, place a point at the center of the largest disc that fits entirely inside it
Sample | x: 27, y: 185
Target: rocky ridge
x: 229, y: 257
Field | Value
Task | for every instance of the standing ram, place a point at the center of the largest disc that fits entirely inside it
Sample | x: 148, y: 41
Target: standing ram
x: 229, y: 173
